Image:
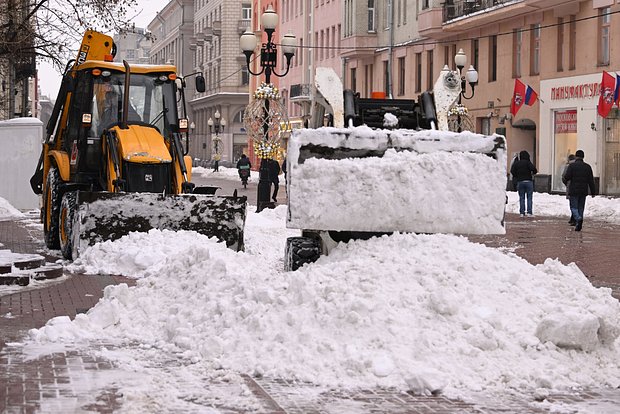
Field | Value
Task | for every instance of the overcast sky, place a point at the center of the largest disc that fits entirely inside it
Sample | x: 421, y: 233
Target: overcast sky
x: 144, y: 12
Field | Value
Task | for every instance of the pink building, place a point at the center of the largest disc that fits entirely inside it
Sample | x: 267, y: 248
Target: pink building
x: 316, y: 24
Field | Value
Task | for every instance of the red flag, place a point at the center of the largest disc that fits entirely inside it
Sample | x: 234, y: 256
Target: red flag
x: 606, y: 101
x: 530, y: 96
x: 518, y: 97
x: 617, y: 92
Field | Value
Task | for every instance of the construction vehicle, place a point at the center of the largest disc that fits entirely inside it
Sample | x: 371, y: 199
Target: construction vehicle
x: 115, y: 160
x: 395, y: 167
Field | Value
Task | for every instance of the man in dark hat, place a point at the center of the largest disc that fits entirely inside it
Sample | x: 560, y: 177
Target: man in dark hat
x: 579, y: 178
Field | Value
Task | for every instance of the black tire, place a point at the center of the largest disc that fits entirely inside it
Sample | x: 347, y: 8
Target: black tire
x: 68, y: 209
x: 51, y: 207
x: 300, y: 251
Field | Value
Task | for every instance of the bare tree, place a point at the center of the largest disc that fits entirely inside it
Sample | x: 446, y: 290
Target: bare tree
x: 52, y: 29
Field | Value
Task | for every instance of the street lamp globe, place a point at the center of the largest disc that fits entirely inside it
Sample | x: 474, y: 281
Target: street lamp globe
x: 269, y: 19
x: 217, y: 114
x: 460, y: 59
x: 289, y: 43
x: 472, y: 75
x: 248, y: 41
x: 210, y: 122
x: 223, y: 123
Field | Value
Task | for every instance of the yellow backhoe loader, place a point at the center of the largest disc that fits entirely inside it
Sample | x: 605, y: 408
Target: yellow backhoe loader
x: 115, y: 160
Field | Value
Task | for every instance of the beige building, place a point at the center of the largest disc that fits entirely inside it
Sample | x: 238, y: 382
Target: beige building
x: 215, y: 51
x: 133, y: 45
x: 560, y: 48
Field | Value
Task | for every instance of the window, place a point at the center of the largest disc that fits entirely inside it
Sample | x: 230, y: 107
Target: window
x: 429, y: 70
x: 245, y: 76
x: 535, y: 49
x: 572, y: 43
x: 560, y: 45
x: 386, y: 77
x: 493, y: 58
x: 604, y: 31
x: 517, y: 42
x: 401, y: 76
x: 425, y: 4
x: 371, y: 15
x: 475, y: 51
x: 354, y: 79
x: 368, y: 75
x: 418, y: 72
x: 246, y: 12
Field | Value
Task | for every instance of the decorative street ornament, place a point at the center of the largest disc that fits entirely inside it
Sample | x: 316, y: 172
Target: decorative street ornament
x: 265, y: 118
x: 459, y: 119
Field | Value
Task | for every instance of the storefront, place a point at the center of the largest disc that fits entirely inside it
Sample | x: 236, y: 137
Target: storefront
x: 569, y: 121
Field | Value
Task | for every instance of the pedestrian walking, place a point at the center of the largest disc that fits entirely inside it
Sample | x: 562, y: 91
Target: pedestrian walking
x: 284, y: 167
x: 569, y: 161
x: 216, y: 162
x: 579, y: 178
x: 523, y: 172
x: 274, y: 172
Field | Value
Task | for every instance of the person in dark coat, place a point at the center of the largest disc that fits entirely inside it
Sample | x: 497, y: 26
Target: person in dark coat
x: 569, y: 161
x: 523, y: 172
x: 274, y: 171
x: 579, y: 178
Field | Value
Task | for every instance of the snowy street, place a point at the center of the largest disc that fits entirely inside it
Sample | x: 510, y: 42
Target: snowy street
x: 426, y: 314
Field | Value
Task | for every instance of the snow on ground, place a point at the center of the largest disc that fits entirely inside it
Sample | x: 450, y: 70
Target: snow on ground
x: 421, y: 312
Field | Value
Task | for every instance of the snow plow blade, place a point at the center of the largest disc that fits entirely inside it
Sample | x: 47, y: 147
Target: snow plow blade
x: 365, y: 180
x: 105, y: 216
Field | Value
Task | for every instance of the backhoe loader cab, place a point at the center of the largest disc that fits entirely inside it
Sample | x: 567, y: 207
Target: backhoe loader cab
x: 97, y: 106
x: 116, y: 160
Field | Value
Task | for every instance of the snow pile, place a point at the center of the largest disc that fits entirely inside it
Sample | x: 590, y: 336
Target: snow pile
x: 421, y: 312
x: 7, y: 211
x: 418, y: 181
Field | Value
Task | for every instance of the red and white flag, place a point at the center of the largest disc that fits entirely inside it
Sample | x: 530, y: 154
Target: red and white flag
x: 518, y: 97
x: 608, y: 88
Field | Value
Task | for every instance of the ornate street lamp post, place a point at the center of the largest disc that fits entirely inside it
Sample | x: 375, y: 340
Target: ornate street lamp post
x: 263, y: 120
x: 471, y: 77
x: 216, y: 127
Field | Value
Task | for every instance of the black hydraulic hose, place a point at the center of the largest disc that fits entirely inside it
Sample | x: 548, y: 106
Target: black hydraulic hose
x: 126, y: 96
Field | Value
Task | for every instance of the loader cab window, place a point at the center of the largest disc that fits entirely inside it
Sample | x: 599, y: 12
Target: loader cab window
x: 151, y: 102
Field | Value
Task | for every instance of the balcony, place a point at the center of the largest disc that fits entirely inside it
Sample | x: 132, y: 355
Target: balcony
x: 300, y: 92
x: 243, y: 25
x: 454, y: 9
x: 359, y: 46
x: 217, y: 27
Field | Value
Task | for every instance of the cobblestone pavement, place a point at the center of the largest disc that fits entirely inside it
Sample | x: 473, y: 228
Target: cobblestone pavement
x: 71, y: 380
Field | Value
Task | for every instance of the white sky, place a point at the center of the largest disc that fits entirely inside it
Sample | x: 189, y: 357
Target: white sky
x: 417, y: 312
x: 144, y: 13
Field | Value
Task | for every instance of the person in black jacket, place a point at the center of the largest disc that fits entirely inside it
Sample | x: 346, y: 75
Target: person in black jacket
x: 579, y: 178
x: 522, y: 171
x: 274, y: 172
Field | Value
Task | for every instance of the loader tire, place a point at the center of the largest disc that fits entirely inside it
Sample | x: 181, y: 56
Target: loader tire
x: 68, y: 208
x: 51, y: 206
x: 300, y: 251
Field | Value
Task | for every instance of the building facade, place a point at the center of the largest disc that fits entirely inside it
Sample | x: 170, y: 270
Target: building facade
x: 551, y: 45
x: 317, y: 26
x: 215, y: 51
x: 17, y: 60
x: 133, y: 45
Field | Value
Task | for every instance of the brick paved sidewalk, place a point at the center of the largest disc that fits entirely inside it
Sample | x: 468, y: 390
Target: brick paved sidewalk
x: 55, y: 383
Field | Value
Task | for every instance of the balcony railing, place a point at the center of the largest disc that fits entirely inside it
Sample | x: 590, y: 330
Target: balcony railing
x: 243, y: 25
x: 453, y: 9
x: 300, y: 91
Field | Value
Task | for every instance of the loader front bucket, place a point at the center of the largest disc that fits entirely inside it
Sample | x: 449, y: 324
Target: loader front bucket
x: 101, y: 216
x: 366, y: 180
